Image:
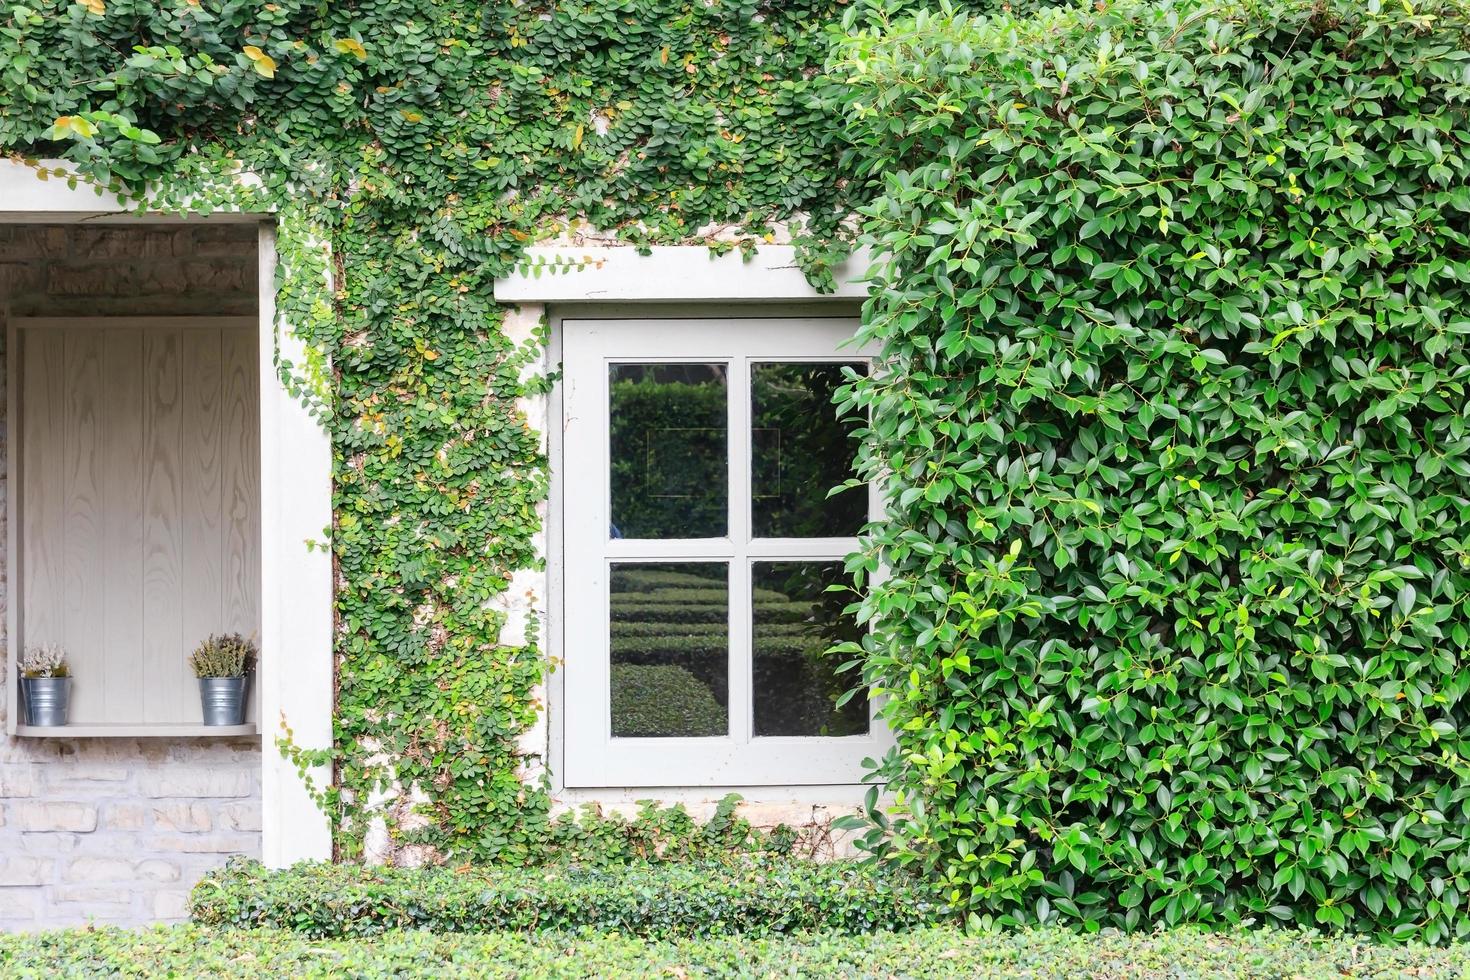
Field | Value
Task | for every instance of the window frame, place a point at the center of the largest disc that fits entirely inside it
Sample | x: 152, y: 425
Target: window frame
x: 584, y: 756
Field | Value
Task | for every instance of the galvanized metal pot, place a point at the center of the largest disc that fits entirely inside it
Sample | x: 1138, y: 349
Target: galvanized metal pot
x: 46, y: 700
x: 223, y: 699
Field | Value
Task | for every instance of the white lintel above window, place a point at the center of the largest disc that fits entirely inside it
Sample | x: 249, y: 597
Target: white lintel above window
x: 670, y: 273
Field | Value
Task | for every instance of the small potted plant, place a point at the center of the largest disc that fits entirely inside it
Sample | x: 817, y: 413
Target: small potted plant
x: 223, y: 665
x: 45, y: 686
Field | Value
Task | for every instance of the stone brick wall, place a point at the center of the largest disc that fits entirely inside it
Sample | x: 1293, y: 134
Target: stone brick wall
x: 128, y: 270
x: 119, y: 830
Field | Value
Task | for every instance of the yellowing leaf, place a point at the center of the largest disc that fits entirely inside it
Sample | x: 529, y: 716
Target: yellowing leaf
x: 265, y: 65
x: 351, y: 46
x: 577, y: 137
x: 75, y: 125
x: 663, y: 56
x: 96, y: 7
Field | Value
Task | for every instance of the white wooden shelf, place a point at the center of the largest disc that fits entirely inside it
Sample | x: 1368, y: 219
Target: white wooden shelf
x: 125, y: 730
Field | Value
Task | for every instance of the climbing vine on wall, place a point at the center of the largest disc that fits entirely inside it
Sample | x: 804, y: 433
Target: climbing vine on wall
x: 412, y: 149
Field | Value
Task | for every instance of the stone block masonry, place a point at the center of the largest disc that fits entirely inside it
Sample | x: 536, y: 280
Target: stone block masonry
x: 119, y: 830
x: 122, y: 270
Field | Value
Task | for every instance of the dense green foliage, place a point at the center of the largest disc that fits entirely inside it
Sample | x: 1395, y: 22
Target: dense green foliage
x: 411, y: 150
x: 1174, y: 312
x: 1174, y: 436
x: 759, y: 896
x: 192, y: 951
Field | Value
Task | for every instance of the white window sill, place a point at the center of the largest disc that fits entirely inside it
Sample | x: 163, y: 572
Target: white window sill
x: 134, y: 730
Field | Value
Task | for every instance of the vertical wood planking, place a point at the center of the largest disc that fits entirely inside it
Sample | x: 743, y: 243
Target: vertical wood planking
x: 201, y: 500
x: 121, y: 414
x: 139, y: 510
x: 42, y: 469
x: 82, y: 491
x: 240, y: 462
x: 165, y: 671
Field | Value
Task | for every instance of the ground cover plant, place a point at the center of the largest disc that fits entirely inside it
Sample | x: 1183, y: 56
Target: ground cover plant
x: 200, y: 951
x: 1174, y: 433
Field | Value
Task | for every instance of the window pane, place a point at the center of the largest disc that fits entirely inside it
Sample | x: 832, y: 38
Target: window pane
x: 668, y: 451
x: 800, y: 451
x: 670, y: 649
x: 795, y: 682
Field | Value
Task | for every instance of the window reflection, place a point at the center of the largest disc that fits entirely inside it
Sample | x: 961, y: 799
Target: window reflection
x: 670, y: 649
x: 669, y: 450
x: 800, y: 451
x: 795, y: 681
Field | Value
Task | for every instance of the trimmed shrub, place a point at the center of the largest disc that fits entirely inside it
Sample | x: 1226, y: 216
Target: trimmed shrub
x: 1173, y: 425
x: 192, y: 951
x: 755, y: 896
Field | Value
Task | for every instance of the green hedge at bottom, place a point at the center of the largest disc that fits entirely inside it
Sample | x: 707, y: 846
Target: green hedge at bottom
x: 757, y: 896
x: 193, y: 951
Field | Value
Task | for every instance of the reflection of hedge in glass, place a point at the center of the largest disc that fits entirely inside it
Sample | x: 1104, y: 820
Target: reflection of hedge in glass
x: 653, y: 608
x: 695, y: 612
x: 800, y: 452
x: 637, y: 628
x: 795, y: 646
x: 794, y: 679
x: 676, y: 616
x: 662, y: 700
x: 668, y: 450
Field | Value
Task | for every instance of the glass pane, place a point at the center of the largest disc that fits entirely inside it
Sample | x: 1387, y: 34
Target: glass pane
x: 670, y: 649
x: 800, y: 451
x: 795, y: 681
x: 669, y: 450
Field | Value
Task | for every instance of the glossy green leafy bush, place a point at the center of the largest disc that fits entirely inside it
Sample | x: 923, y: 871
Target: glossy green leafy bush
x: 1175, y: 434
x: 192, y: 951
x: 755, y: 896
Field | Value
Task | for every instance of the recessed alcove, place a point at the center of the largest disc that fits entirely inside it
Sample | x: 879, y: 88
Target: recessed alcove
x: 137, y: 502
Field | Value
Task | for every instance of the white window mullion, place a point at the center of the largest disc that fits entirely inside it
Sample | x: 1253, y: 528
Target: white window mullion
x: 802, y: 549
x: 741, y: 724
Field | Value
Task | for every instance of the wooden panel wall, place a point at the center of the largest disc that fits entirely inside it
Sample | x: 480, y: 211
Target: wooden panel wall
x: 140, y: 506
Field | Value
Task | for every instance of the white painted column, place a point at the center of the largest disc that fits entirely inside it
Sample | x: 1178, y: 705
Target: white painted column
x: 295, y: 675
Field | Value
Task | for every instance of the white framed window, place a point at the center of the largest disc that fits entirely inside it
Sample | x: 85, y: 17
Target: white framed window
x: 699, y: 541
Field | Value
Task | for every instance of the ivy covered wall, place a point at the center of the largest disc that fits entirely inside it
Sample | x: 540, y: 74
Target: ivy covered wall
x: 414, y: 148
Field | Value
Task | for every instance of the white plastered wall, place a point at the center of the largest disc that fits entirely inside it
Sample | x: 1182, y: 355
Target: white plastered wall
x: 297, y: 689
